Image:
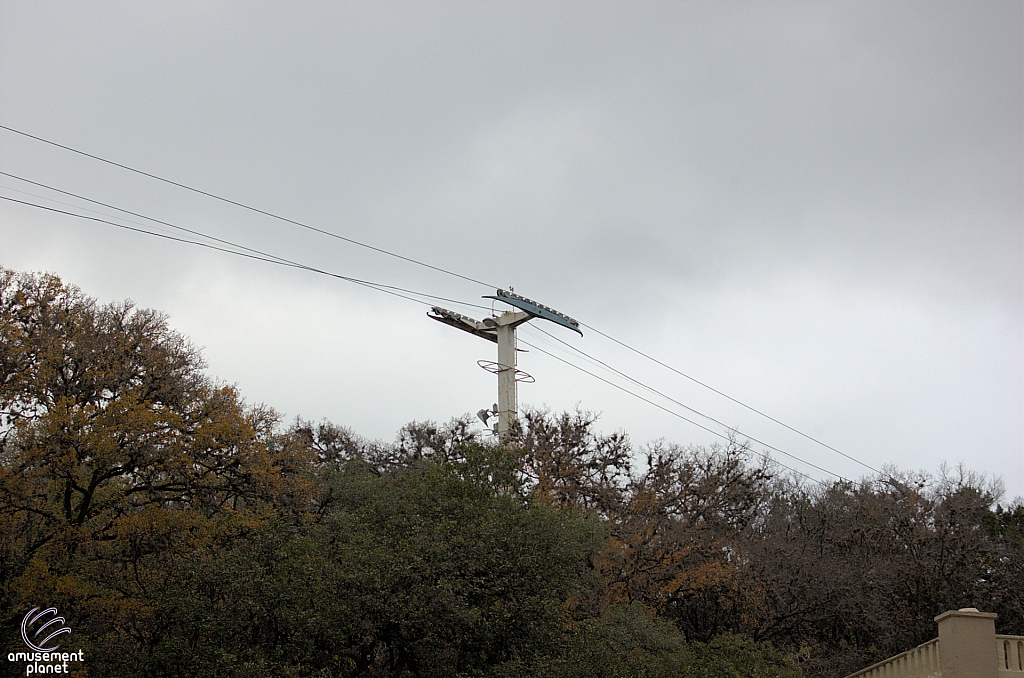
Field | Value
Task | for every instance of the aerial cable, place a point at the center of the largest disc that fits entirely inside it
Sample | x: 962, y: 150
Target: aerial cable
x: 253, y: 254
x: 259, y: 255
x: 247, y: 207
x: 728, y: 397
x: 426, y: 265
x: 683, y: 405
x: 134, y: 214
x: 676, y: 414
x: 204, y: 235
x: 684, y: 418
x: 676, y: 402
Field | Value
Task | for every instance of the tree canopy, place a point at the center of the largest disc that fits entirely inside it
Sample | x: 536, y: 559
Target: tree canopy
x: 187, y: 533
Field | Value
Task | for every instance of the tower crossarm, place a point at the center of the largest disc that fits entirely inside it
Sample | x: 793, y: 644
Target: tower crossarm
x: 501, y: 329
x: 536, y: 310
x: 464, y: 323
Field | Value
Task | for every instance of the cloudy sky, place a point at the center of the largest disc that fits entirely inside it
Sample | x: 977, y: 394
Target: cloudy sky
x: 815, y: 208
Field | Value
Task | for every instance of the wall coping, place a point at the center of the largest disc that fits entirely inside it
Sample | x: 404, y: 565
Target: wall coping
x: 967, y: 612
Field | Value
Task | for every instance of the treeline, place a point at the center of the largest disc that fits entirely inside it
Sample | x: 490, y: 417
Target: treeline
x: 182, y: 532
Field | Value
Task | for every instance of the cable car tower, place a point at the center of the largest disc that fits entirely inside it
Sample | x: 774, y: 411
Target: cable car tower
x: 501, y: 330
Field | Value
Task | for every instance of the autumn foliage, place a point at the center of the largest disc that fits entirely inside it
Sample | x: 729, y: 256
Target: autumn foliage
x: 186, y: 533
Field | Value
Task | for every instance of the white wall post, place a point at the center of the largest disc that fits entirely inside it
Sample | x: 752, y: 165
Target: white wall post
x: 967, y: 644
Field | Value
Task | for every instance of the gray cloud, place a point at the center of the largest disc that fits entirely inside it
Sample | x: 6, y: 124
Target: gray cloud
x: 817, y: 207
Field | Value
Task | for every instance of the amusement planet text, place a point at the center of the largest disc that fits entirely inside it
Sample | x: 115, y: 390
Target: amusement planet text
x: 46, y: 662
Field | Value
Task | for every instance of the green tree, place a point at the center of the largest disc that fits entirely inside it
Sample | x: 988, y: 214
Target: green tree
x: 453, y: 576
x: 118, y: 457
x: 187, y: 534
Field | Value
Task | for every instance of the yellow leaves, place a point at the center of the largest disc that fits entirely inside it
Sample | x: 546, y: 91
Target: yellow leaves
x: 117, y: 451
x: 40, y: 582
x: 168, y: 531
x: 705, y: 575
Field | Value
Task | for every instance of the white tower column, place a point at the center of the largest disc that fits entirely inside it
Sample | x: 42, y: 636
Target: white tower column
x: 507, y: 386
x: 502, y: 329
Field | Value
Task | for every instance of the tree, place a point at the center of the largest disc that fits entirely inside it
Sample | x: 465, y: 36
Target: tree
x: 627, y: 642
x: 117, y: 455
x: 566, y: 462
x: 856, y: 572
x: 676, y: 539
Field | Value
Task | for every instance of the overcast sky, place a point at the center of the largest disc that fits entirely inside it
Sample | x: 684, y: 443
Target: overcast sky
x: 815, y: 208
